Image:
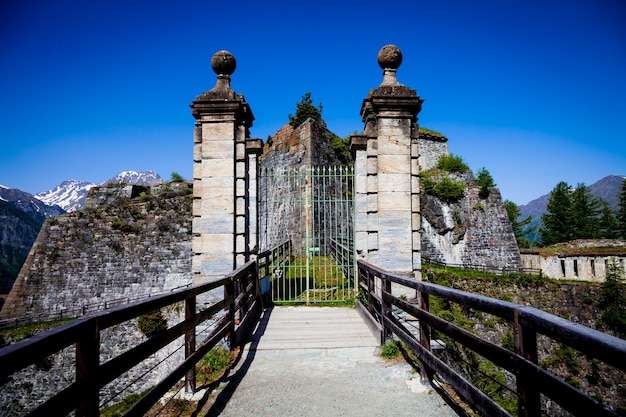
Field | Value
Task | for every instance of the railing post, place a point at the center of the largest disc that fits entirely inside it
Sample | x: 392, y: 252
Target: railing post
x: 229, y: 291
x: 385, y: 307
x: 425, y: 372
x: 190, y: 344
x: 529, y: 399
x: 87, y: 363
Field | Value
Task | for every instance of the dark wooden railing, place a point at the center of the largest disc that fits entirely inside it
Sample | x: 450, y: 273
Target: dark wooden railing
x: 527, y: 322
x: 241, y: 300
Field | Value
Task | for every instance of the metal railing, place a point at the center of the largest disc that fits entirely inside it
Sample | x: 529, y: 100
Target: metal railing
x: 241, y: 300
x: 531, y: 380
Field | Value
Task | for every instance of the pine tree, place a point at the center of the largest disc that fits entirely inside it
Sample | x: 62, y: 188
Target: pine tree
x: 620, y: 216
x: 584, y: 215
x: 607, y: 223
x: 304, y: 110
x: 520, y: 227
x: 485, y: 181
x: 557, y: 222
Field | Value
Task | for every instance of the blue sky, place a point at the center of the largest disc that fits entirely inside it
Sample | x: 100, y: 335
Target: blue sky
x: 535, y: 91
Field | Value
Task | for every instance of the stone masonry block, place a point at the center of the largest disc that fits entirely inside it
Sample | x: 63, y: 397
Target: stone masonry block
x: 197, y: 152
x: 393, y: 145
x: 224, y: 130
x: 212, y: 225
x: 394, y: 201
x: 222, y: 244
x: 372, y: 183
x: 397, y: 164
x: 215, y: 187
x: 218, y: 149
x: 217, y: 168
x: 372, y: 203
x: 394, y: 182
x: 217, y: 206
x: 372, y: 166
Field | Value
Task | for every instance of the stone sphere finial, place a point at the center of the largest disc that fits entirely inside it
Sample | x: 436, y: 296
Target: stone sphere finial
x: 389, y: 57
x: 223, y: 63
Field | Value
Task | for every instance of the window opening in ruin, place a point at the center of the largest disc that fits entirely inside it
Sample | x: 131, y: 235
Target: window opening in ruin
x: 575, y: 267
x: 563, y: 267
x: 593, y: 268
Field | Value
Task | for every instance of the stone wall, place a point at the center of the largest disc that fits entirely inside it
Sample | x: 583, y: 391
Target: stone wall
x: 286, y: 186
x: 127, y: 249
x: 431, y: 147
x: 578, y: 260
x: 472, y: 231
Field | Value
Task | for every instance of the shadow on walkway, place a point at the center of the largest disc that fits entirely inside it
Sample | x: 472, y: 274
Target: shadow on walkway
x: 240, y: 370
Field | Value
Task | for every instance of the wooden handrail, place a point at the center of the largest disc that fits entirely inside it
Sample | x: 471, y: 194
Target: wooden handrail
x: 532, y: 380
x: 84, y: 333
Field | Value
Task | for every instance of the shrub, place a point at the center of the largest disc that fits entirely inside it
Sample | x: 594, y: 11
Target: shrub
x: 212, y: 363
x: 390, y: 350
x: 176, y: 177
x: 452, y: 163
x: 449, y: 190
x: 152, y: 323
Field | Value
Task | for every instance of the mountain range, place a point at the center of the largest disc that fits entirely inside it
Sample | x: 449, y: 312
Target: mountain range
x: 608, y: 189
x: 70, y: 195
x: 22, y: 214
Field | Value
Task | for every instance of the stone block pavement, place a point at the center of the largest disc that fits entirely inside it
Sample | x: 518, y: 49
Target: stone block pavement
x: 320, y: 361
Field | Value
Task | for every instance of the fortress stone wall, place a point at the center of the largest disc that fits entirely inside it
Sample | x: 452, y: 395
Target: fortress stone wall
x: 127, y: 249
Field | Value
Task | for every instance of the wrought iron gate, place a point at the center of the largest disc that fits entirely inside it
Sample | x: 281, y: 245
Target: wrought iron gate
x: 307, y: 212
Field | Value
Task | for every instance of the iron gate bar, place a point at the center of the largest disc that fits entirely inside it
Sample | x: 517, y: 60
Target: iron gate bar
x: 311, y: 207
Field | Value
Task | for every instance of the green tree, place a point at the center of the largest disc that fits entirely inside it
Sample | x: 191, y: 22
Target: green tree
x: 620, y: 216
x: 607, y: 223
x: 176, y: 177
x: 520, y: 227
x: 613, y: 299
x: 584, y: 213
x: 557, y: 222
x: 304, y: 110
x: 485, y: 181
x: 452, y: 163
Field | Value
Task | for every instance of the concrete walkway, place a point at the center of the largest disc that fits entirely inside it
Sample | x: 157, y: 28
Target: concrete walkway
x: 320, y: 361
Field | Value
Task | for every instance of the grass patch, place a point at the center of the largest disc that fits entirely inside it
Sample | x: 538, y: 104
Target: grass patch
x: 391, y: 349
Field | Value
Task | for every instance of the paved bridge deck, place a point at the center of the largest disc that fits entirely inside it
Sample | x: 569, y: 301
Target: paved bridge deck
x: 320, y: 361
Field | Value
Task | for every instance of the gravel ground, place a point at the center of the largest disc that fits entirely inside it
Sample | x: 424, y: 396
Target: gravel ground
x: 324, y: 382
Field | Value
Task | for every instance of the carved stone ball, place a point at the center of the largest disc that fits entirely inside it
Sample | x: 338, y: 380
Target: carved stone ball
x: 223, y: 63
x: 389, y: 57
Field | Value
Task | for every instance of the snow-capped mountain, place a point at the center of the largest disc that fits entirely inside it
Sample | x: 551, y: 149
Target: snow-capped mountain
x: 69, y: 195
x: 148, y: 178
x: 28, y: 203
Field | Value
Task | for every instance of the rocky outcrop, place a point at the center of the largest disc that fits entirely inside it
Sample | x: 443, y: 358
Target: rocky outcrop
x: 471, y: 232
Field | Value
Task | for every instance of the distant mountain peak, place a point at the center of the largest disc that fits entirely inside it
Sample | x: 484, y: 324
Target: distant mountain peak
x: 149, y: 178
x: 69, y: 195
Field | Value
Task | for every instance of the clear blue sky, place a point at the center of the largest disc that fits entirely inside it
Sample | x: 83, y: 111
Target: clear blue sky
x: 535, y: 91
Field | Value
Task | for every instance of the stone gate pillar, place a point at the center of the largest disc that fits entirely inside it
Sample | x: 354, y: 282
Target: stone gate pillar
x: 387, y: 203
x: 224, y: 189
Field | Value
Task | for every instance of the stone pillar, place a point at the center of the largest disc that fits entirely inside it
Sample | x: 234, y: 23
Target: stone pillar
x: 221, y: 207
x: 387, y: 204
